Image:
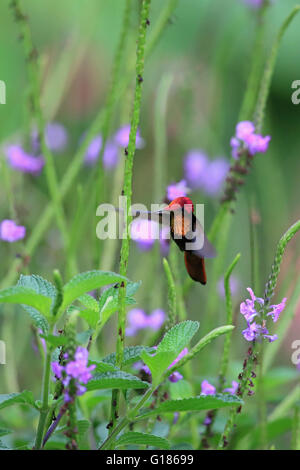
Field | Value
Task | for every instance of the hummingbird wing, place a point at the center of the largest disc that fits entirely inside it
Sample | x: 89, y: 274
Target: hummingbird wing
x: 197, y: 242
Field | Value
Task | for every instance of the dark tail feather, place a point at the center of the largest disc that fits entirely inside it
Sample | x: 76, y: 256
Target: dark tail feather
x: 195, y: 267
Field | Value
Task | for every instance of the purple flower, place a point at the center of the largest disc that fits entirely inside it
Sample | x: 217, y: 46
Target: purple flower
x: 56, y: 137
x: 156, y: 319
x: 244, y: 130
x: 175, y: 190
x: 195, y: 165
x: 136, y: 319
x: 245, y: 137
x: 248, y: 308
x: 258, y: 144
x: 202, y: 173
x: 139, y: 320
x: 11, y: 232
x: 93, y: 151
x: 254, y: 307
x: 277, y: 309
x: 122, y: 137
x: 232, y: 390
x: 110, y: 155
x: 22, y: 161
x: 207, y: 388
x: 144, y: 233
x: 76, y: 370
x: 164, y: 241
x: 175, y: 377
x: 215, y: 176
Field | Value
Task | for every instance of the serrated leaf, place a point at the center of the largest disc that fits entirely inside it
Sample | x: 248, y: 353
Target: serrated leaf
x: 131, y: 354
x: 24, y: 295
x: 89, y: 302
x: 40, y: 286
x: 169, y: 348
x: 117, y: 379
x: 140, y: 438
x: 202, y: 402
x: 109, y: 300
x: 88, y: 281
x: 9, y: 399
x: 102, y: 367
x: 90, y: 316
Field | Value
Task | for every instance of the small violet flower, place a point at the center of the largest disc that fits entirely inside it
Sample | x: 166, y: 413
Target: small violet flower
x: 175, y: 190
x: 56, y: 137
x: 19, y: 160
x: 207, y: 388
x: 122, y: 137
x: 110, y: 154
x: 245, y: 137
x: 234, y: 286
x: 11, y: 232
x: 233, y: 389
x: 253, y: 308
x: 76, y: 370
x: 204, y: 174
x: 139, y: 320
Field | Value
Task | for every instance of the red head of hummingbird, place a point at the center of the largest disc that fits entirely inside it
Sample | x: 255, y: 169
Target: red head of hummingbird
x: 188, y: 234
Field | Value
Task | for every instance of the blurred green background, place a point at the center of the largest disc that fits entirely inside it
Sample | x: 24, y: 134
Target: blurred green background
x: 205, y: 50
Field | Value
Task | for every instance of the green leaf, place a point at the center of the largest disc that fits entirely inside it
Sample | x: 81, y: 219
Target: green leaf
x: 131, y: 354
x: 117, y: 379
x: 90, y: 316
x: 4, y: 432
x: 168, y: 349
x: 9, y: 399
x: 55, y: 341
x: 205, y: 402
x: 89, y: 302
x: 24, y: 295
x: 180, y: 389
x: 140, y: 438
x: 40, y: 286
x: 88, y: 281
x: 109, y: 300
x: 102, y: 367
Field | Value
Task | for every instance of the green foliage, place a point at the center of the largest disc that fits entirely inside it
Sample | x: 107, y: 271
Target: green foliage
x: 139, y: 438
x: 25, y: 397
x: 131, y: 354
x: 116, y: 379
x: 208, y: 402
x: 174, y: 341
x: 86, y: 282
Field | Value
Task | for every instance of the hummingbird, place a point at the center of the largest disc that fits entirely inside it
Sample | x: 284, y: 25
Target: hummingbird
x: 188, y: 234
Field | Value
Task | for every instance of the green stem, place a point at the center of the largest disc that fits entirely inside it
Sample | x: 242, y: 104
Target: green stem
x: 229, y: 318
x: 127, y: 191
x: 171, y: 295
x: 126, y: 420
x: 45, y: 407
